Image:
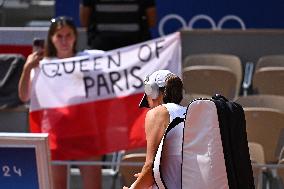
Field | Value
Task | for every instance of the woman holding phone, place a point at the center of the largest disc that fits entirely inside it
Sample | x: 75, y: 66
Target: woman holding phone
x: 61, y: 43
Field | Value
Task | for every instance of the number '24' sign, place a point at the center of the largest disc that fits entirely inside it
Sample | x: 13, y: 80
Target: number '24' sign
x: 9, y: 171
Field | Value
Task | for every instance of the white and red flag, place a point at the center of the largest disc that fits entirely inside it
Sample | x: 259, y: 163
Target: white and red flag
x: 89, y: 104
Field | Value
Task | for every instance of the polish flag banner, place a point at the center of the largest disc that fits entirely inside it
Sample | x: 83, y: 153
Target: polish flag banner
x: 89, y: 103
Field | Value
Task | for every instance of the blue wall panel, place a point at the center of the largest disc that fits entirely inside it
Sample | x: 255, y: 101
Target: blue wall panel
x: 217, y: 14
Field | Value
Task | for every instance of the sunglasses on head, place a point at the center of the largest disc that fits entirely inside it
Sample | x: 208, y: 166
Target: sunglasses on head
x: 62, y: 19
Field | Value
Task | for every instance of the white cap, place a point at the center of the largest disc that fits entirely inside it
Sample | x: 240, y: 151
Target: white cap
x: 158, y: 77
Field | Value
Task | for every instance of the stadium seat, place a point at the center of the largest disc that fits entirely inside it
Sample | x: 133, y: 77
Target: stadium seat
x: 258, y: 100
x: 208, y: 74
x: 264, y: 119
x: 280, y: 170
x: 256, y: 152
x: 13, y: 114
x: 128, y: 171
x: 270, y: 61
x: 14, y: 119
x: 257, y: 157
x: 11, y: 66
x: 187, y: 98
x: 269, y: 75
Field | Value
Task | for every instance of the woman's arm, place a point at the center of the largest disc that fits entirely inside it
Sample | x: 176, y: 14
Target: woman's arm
x: 156, y: 122
x: 24, y: 86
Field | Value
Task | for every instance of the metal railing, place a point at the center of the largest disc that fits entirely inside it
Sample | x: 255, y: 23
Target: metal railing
x: 113, y: 165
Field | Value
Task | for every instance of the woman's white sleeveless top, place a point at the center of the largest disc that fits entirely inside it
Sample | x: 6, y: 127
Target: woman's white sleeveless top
x: 168, y: 159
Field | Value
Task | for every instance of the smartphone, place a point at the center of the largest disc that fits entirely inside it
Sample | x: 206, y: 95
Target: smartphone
x: 38, y: 44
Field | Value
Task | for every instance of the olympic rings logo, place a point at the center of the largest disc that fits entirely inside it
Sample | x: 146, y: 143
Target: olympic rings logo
x: 197, y: 18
